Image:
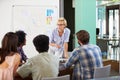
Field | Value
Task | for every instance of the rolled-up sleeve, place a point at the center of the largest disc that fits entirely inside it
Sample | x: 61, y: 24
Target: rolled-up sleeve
x: 67, y: 35
x: 72, y: 59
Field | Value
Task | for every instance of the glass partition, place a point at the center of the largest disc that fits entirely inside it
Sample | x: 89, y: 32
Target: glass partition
x: 108, y: 23
x: 113, y: 23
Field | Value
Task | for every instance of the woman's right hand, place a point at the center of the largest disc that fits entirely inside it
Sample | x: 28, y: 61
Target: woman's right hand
x: 57, y: 46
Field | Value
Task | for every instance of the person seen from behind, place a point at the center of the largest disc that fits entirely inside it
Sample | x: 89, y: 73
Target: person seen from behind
x: 21, y: 42
x: 9, y: 56
x: 41, y: 65
x: 85, y: 58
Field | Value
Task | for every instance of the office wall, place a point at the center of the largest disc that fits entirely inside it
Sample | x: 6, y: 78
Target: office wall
x: 85, y: 18
x: 85, y: 15
x: 6, y: 15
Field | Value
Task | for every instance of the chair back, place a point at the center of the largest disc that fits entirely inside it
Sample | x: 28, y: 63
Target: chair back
x: 65, y: 77
x: 102, y: 72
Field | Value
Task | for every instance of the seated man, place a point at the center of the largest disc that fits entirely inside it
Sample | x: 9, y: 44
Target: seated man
x: 41, y: 65
x: 85, y: 58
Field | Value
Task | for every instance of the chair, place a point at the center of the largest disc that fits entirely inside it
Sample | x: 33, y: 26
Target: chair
x: 102, y: 72
x: 65, y: 77
x: 115, y: 48
x: 108, y: 78
x: 102, y: 43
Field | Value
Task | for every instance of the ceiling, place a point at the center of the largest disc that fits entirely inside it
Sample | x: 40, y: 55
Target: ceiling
x: 107, y: 2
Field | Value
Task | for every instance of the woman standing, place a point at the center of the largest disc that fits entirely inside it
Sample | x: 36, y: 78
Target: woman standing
x: 59, y: 39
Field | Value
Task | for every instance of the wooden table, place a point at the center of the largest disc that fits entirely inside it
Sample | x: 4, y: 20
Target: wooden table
x: 108, y: 78
x: 114, y: 66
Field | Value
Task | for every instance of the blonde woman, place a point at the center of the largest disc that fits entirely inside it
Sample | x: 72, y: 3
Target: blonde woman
x: 59, y: 39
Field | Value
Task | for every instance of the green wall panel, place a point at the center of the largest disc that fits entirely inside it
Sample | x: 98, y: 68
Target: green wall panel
x: 85, y: 18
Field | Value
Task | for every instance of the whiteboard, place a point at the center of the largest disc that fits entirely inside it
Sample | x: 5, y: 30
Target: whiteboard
x: 34, y: 20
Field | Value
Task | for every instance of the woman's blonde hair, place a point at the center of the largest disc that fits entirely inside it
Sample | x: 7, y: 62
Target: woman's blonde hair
x: 61, y: 19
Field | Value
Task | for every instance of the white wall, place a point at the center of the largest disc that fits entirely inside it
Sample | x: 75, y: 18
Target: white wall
x: 6, y: 14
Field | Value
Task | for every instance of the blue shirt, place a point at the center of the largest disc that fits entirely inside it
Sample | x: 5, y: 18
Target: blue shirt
x: 60, y: 40
x: 85, y: 59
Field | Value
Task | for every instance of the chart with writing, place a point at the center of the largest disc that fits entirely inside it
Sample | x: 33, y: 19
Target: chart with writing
x: 34, y: 20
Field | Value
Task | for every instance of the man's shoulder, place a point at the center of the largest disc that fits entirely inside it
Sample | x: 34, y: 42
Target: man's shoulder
x: 94, y: 46
x: 34, y: 57
x: 53, y: 56
x: 85, y: 47
x: 77, y: 50
x: 90, y: 46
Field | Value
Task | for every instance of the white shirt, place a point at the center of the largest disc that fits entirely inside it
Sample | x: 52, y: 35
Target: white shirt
x: 41, y: 65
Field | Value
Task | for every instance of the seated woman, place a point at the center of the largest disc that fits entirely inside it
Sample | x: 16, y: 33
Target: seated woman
x: 9, y: 57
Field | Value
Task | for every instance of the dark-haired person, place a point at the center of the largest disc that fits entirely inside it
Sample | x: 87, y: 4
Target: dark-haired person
x: 41, y: 65
x: 85, y: 58
x: 9, y: 56
x: 21, y: 42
